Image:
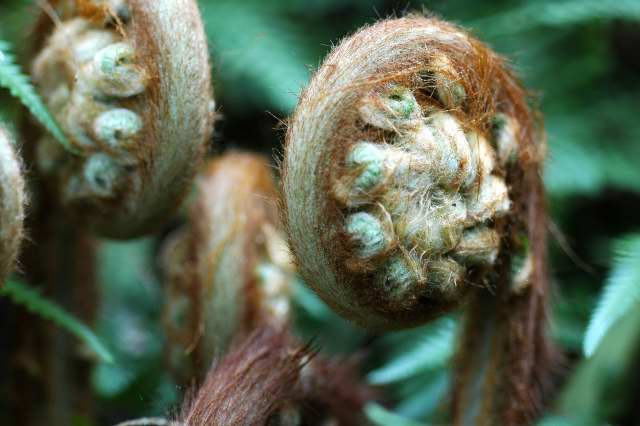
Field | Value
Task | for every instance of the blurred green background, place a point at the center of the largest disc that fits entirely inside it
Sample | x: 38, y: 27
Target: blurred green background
x: 581, y: 61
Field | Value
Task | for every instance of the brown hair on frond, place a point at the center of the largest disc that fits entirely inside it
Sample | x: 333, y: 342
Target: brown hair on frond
x: 270, y: 375
x: 412, y: 186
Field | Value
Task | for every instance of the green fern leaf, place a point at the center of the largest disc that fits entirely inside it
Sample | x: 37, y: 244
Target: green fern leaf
x: 379, y: 415
x: 434, y: 351
x: 557, y: 421
x: 12, y: 78
x: 260, y: 51
x: 423, y: 395
x: 579, y: 163
x: 558, y: 14
x: 621, y: 294
x: 110, y: 380
x: 22, y: 295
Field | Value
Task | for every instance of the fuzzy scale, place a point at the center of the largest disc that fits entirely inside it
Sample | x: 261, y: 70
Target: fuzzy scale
x: 430, y: 175
x: 129, y: 81
x: 12, y: 203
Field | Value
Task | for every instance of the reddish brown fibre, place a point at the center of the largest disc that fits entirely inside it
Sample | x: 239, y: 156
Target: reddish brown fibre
x: 271, y: 379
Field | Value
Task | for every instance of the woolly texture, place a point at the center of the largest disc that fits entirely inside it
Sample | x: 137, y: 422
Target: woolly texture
x: 228, y: 270
x: 269, y: 378
x: 397, y: 169
x: 129, y: 83
x: 12, y: 203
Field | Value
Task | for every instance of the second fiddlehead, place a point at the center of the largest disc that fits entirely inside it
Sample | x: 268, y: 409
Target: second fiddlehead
x: 129, y: 82
x: 229, y: 269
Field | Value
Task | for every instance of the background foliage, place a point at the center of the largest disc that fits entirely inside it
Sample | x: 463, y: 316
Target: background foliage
x: 579, y: 58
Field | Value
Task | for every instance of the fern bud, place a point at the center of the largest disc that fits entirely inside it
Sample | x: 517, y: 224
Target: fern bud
x: 229, y: 269
x: 12, y: 202
x: 129, y: 83
x: 399, y: 164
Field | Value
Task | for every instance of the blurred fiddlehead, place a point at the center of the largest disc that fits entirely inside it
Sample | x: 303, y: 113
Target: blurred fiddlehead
x: 228, y: 270
x: 229, y: 279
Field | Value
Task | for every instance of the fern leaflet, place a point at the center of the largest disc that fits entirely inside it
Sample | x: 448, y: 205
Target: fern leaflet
x: 12, y: 78
x: 433, y: 351
x: 380, y: 416
x: 27, y: 297
x: 621, y: 293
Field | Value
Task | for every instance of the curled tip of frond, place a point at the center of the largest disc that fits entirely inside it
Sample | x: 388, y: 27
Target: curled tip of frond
x: 12, y: 204
x: 403, y: 167
x: 129, y: 83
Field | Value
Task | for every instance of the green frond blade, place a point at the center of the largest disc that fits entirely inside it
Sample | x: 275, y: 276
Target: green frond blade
x: 433, y: 351
x: 557, y: 421
x: 380, y: 416
x: 423, y: 395
x: 110, y: 379
x: 19, y: 85
x: 262, y: 53
x: 559, y: 14
x: 621, y: 293
x: 579, y: 163
x: 599, y: 384
x: 27, y: 297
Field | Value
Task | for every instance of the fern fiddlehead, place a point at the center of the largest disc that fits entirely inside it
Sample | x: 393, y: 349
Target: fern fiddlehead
x: 229, y: 283
x: 129, y: 83
x: 402, y: 186
x: 229, y: 269
x: 411, y: 180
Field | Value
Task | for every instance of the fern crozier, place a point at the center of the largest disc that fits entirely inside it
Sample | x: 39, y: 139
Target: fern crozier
x: 129, y: 83
x: 396, y: 170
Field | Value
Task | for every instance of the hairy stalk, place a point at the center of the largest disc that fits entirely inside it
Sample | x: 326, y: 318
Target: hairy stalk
x: 50, y: 378
x: 12, y: 204
x: 129, y: 83
x: 271, y: 379
x: 51, y: 375
x: 411, y: 185
x: 228, y: 270
x: 523, y: 357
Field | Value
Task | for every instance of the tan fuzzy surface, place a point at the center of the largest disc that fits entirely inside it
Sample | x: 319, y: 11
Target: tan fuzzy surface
x: 228, y: 269
x: 466, y: 82
x: 12, y: 205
